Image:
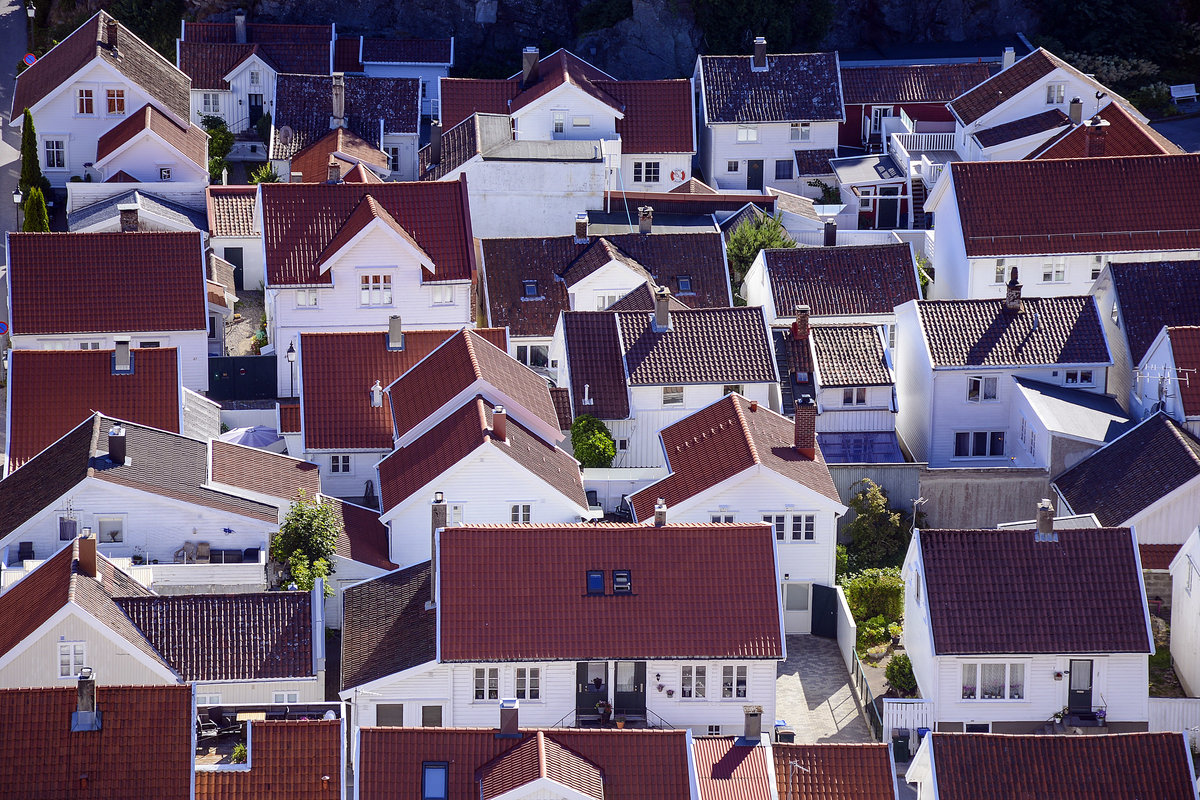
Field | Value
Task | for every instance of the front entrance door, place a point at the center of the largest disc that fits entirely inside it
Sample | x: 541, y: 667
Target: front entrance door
x: 629, y: 696
x: 255, y: 102
x: 888, y: 215
x: 1079, y: 697
x: 824, y: 613
x: 591, y: 685
x: 754, y: 175
x: 797, y: 607
x: 234, y: 256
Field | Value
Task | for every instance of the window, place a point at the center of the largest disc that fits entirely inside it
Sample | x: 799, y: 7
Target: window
x: 622, y: 583
x: 1115, y: 315
x: 622, y: 445
x: 529, y: 289
x: 285, y: 697
x: 116, y: 101
x: 980, y: 388
x: 431, y: 716
x: 70, y: 659
x: 443, y: 294
x: 487, y: 683
x: 521, y: 512
x: 672, y: 396
x: 86, y: 104
x: 67, y: 529
x: 685, y: 283
x: 595, y: 581
x: 603, y: 301
x: 339, y: 464
x: 211, y: 103
x: 393, y: 154
x: 692, y: 681
x: 993, y: 681
x: 714, y: 730
x: 164, y: 173
x: 719, y: 518
x: 110, y: 530
x: 375, y: 290
x: 800, y: 132
x: 306, y: 298
x: 581, y: 122
x: 795, y: 596
x: 794, y: 132
x: 747, y: 133
x: 56, y: 154
x: 150, y: 343
x: 733, y: 388
x: 1055, y: 93
x: 560, y: 121
x: 978, y: 727
x: 783, y: 170
x: 255, y: 78
x: 533, y: 355
x: 424, y: 88
x: 732, y: 166
x: 866, y: 200
x: 854, y: 396
x: 804, y: 527
x: 208, y: 699
x: 1098, y: 264
x: 1078, y: 376
x: 778, y: 522
x: 435, y: 781
x: 89, y: 345
x: 645, y: 172
x: 1054, y: 270
x: 733, y: 681
x: 978, y: 444
x: 454, y: 514
x: 1000, y: 270
x: 529, y: 683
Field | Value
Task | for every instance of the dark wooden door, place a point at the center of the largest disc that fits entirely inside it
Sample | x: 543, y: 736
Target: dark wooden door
x: 255, y: 101
x: 824, y: 611
x: 587, y: 691
x: 754, y: 175
x: 629, y: 696
x: 1079, y: 696
x: 888, y: 216
x: 235, y: 256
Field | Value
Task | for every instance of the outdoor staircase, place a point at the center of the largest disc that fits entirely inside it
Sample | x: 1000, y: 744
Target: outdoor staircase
x: 919, y: 193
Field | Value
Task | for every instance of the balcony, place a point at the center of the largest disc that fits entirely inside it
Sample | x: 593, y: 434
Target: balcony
x: 924, y: 154
x: 224, y: 734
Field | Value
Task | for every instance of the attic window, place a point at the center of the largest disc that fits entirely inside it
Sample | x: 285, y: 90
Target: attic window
x: 595, y: 581
x: 685, y: 283
x: 621, y: 582
x: 529, y: 288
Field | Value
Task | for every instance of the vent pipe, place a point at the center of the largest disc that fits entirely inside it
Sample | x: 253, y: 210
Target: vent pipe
x: 438, y: 521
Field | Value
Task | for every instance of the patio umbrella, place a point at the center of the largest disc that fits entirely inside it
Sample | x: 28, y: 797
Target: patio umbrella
x: 259, y: 436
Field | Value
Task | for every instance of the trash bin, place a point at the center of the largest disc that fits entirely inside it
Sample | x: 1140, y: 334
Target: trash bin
x: 783, y: 733
x: 900, y: 744
x: 921, y: 733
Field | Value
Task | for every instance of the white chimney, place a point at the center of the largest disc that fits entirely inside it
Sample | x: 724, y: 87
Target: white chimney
x: 376, y: 395
x: 662, y: 309
x: 338, y: 120
x: 645, y: 219
x: 660, y: 513
x: 438, y: 521
x: 395, y: 334
x: 1010, y: 58
x: 1045, y: 522
x: 239, y: 26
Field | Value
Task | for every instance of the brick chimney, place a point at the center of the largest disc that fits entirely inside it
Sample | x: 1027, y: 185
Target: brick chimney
x: 338, y: 120
x: 581, y: 228
x: 806, y: 427
x: 395, y: 333
x: 1012, y: 295
x: 1045, y: 522
x: 435, y: 142
x: 662, y: 309
x: 1075, y: 111
x: 335, y: 171
x: 110, y: 35
x: 800, y: 324
x: 529, y: 66
x: 1094, y: 133
x: 437, y: 522
x: 87, y: 556
x: 645, y: 219
x: 660, y: 513
x: 116, y: 444
x: 500, y: 424
x: 129, y: 217
x: 830, y: 237
x: 759, y: 61
x: 239, y: 26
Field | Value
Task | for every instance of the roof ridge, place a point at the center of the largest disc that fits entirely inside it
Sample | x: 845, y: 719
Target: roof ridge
x: 745, y: 424
x: 471, y: 353
x: 1185, y: 438
x: 541, y: 751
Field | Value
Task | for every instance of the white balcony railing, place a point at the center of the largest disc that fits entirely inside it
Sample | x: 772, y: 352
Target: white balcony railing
x: 901, y: 146
x: 909, y: 714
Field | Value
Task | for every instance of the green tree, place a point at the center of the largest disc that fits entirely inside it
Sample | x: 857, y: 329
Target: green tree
x: 592, y: 442
x: 220, y: 142
x: 874, y: 593
x: 751, y: 237
x: 37, y: 219
x: 31, y: 170
x: 899, y: 674
x: 264, y: 173
x: 878, y: 534
x: 306, y: 541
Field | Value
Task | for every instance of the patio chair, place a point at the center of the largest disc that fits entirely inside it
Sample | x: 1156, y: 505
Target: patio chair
x: 206, y: 728
x: 25, y: 551
x: 185, y: 554
x: 203, y: 552
x: 224, y: 724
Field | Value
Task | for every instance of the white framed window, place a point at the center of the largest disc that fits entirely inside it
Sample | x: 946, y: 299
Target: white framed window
x: 306, y: 298
x: 1054, y: 270
x: 733, y: 388
x: 487, y: 683
x: 535, y: 355
x: 424, y: 88
x: 1056, y: 93
x: 211, y: 103
x: 435, y: 780
x: 1080, y: 377
x: 208, y: 699
x: 89, y: 345
x: 747, y: 133
x: 646, y: 172
x: 982, y: 388
x: 719, y: 518
x: 866, y: 198
x: 1116, y: 314
x: 795, y: 596
x: 672, y: 396
x: 374, y: 290
x: 521, y: 512
x: 56, y: 153
x: 622, y: 445
x: 692, y: 681
x: 1000, y: 271
x: 255, y: 78
x: 978, y: 444
x: 732, y: 166
x: 1033, y: 442
x: 150, y: 343
x: 529, y: 683
x: 800, y: 132
x: 431, y: 716
x: 733, y: 682
x: 116, y: 102
x: 454, y: 514
x: 339, y: 464
x: 393, y: 154
x: 279, y: 698
x: 993, y: 680
x: 604, y: 300
x: 804, y: 527
x: 85, y: 102
x: 110, y: 530
x: 1098, y: 264
x: 581, y: 122
x: 71, y: 657
x: 560, y: 121
x: 854, y: 396
x: 442, y: 294
x: 164, y: 173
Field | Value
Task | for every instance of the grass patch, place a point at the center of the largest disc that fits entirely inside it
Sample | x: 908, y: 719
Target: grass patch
x: 1163, y: 681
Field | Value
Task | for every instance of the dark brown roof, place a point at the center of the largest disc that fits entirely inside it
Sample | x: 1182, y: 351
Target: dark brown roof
x: 1001, y: 591
x: 45, y: 478
x: 507, y: 263
x: 207, y: 63
x: 1126, y: 135
x: 1020, y: 128
x: 462, y: 97
x: 1158, y: 556
x: 1050, y: 205
x: 794, y: 88
x: 1005, y: 85
x: 693, y: 186
x: 313, y: 161
x: 1132, y: 472
x: 642, y: 299
x: 263, y: 472
x: 79, y: 282
x: 229, y: 637
x: 833, y: 771
x: 289, y: 760
x: 133, y: 58
x: 305, y: 103
x: 407, y: 51
x: 302, y: 219
x: 345, y: 54
x: 688, y: 202
x: 597, y: 368
x: 1049, y: 330
x: 363, y: 538
x: 725, y: 439
x: 1126, y: 766
x: 1152, y: 295
x: 385, y: 627
x: 562, y: 405
x: 191, y: 141
x: 289, y: 417
x: 459, y: 145
x: 850, y: 355
x: 1185, y: 349
x: 231, y: 210
x: 677, y: 609
x: 814, y: 162
x: 256, y: 32
x: 834, y: 281
x: 911, y: 83
x: 143, y: 749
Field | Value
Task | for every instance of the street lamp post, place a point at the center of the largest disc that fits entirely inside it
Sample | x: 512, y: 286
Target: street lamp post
x: 17, y: 198
x: 30, y: 11
x: 291, y: 357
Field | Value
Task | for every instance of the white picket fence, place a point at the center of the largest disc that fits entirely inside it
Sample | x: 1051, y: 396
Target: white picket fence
x: 1176, y: 714
x: 906, y: 713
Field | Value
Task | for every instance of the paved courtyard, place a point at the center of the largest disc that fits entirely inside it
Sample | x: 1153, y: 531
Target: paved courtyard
x: 812, y: 692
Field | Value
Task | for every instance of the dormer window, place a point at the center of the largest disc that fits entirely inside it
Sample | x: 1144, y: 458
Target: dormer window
x: 685, y: 283
x: 529, y: 288
x: 86, y: 105
x: 435, y: 780
x: 595, y: 581
x: 375, y: 290
x: 116, y: 102
x: 621, y: 582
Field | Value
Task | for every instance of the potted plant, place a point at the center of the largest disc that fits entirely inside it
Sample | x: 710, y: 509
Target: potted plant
x: 620, y: 720
x: 670, y: 692
x: 1058, y: 716
x: 604, y: 709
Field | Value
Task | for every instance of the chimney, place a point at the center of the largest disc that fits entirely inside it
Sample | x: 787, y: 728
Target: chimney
x: 1075, y: 110
x: 116, y: 444
x: 438, y: 519
x: 806, y: 427
x: 581, y: 226
x: 335, y: 171
x: 759, y: 62
x: 662, y: 309
x: 830, y: 239
x: 1012, y: 296
x: 500, y: 424
x: 122, y: 360
x: 660, y: 512
x: 753, y: 732
x: 377, y: 395
x: 1095, y: 133
x: 85, y: 717
x: 110, y: 35
x: 510, y: 717
x: 239, y: 26
x: 645, y: 219
x: 87, y: 556
x: 1009, y: 58
x: 338, y: 120
x: 753, y: 406
x: 395, y: 334
x: 435, y: 142
x: 129, y: 217
x: 800, y: 324
x: 1045, y: 522
x: 529, y: 67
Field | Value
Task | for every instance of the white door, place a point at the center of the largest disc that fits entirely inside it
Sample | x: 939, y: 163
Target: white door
x: 797, y: 607
x: 877, y: 115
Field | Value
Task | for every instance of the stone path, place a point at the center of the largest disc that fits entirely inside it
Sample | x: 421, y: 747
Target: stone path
x: 812, y: 692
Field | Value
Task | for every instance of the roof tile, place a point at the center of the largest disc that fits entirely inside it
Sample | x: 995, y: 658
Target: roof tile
x: 386, y: 628
x: 850, y: 355
x: 263, y: 472
x: 289, y: 760
x: 1003, y: 86
x: 794, y: 88
x: 1032, y: 125
x: 1154, y: 294
x: 407, y: 51
x: 304, y: 103
x: 911, y: 83
x: 191, y: 142
x: 1185, y: 347
x: 1126, y: 135
x: 312, y: 162
x: 833, y: 771
x: 363, y: 538
x: 846, y: 280
x: 231, y: 210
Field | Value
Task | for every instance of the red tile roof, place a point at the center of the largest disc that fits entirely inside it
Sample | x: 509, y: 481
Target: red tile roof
x: 143, y: 749
x: 191, y: 142
x: 677, y: 609
x: 462, y: 97
x: 539, y: 758
x: 292, y: 760
x: 262, y: 471
x: 1034, y: 124
x: 597, y: 366
x: 79, y: 282
x: 635, y: 764
x: 1058, y: 212
x: 658, y: 115
x: 385, y: 626
x: 563, y: 66
x: 364, y: 538
x: 992, y: 591
x: 313, y: 161
x: 289, y: 417
x: 1154, y: 294
x: 850, y: 355
x: 1049, y: 330
x: 1158, y: 556
x: 798, y: 87
x: 209, y: 51
x: 121, y: 176
x: 1185, y: 347
x: 911, y: 83
x: 813, y: 162
x: 833, y: 772
x: 47, y: 408
x: 725, y: 439
x: 642, y: 299
x: 337, y: 372
x: 727, y: 770
x: 304, y: 103
x: 407, y: 51
x: 693, y: 186
x: 368, y: 211
x: 301, y: 219
x: 133, y: 58
x: 847, y: 280
x: 562, y: 405
x: 231, y: 210
x: 359, y: 173
x: 1126, y: 766
x: 1126, y: 135
x: 1130, y: 473
x: 1003, y: 86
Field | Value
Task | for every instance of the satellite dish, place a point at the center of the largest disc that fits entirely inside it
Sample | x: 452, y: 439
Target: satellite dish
x: 285, y: 135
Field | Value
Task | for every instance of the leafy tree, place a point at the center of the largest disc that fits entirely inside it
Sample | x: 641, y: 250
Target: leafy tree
x: 37, y: 219
x: 592, y: 442
x: 899, y: 674
x: 875, y: 593
x: 31, y: 170
x: 878, y: 534
x: 751, y: 237
x: 830, y: 195
x: 220, y: 142
x: 264, y: 173
x: 306, y: 541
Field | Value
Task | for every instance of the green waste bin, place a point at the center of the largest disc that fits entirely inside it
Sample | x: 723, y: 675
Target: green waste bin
x: 900, y: 745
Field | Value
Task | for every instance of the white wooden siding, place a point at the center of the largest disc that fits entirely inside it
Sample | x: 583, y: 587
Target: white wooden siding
x: 774, y: 144
x: 1171, y: 519
x: 875, y: 415
x: 914, y: 383
x: 1185, y: 613
x: 37, y: 664
x: 192, y: 346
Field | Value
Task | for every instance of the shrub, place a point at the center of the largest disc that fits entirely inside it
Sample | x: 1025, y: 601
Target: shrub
x: 878, y: 534
x: 1152, y: 97
x: 592, y: 442
x: 306, y: 540
x: 875, y: 592
x: 37, y: 219
x: 239, y: 753
x: 263, y: 128
x: 220, y: 142
x: 841, y: 563
x: 899, y: 674
x: 750, y: 238
x: 872, y: 632
x: 830, y: 196
x: 264, y: 173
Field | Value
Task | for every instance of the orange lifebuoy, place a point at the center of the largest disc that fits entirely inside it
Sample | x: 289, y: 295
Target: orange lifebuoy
x: 678, y: 175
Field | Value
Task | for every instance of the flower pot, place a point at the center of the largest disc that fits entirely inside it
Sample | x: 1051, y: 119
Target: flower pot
x: 620, y: 723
